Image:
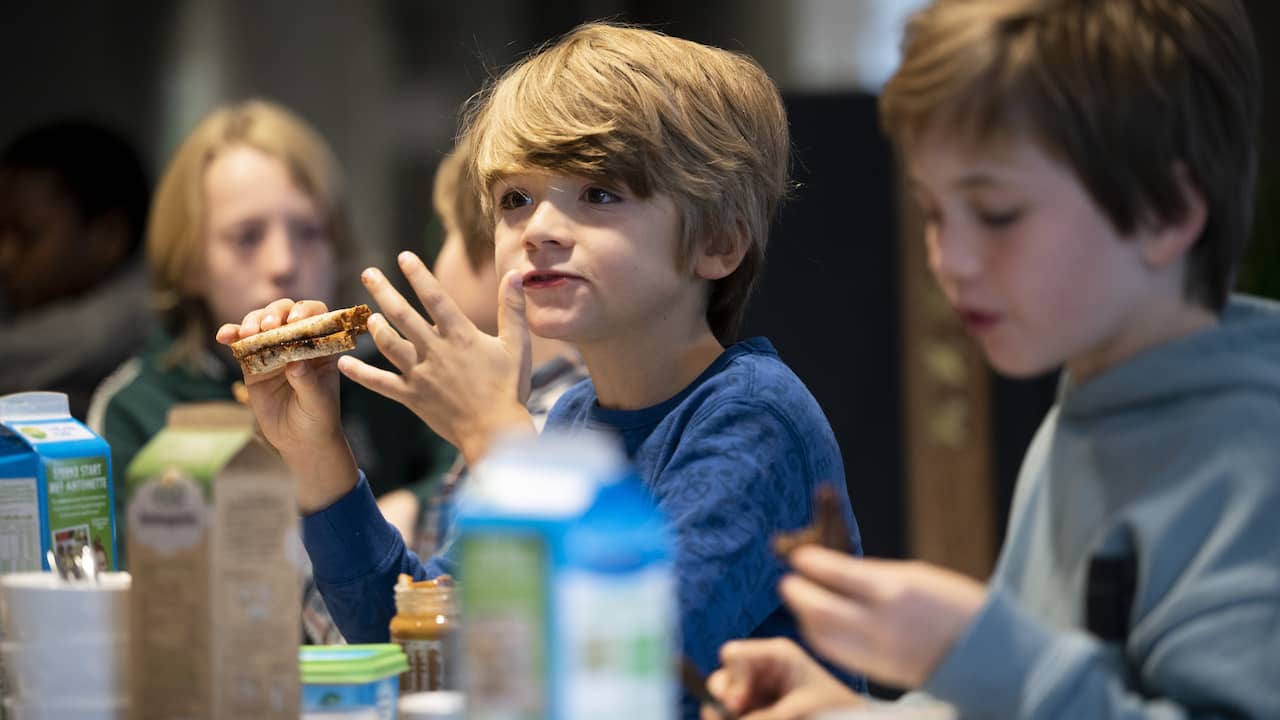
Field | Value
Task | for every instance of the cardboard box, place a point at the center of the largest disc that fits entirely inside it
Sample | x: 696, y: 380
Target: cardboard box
x: 216, y: 600
x: 55, y: 484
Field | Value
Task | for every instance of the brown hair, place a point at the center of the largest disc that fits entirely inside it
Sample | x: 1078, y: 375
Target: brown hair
x: 458, y: 202
x: 699, y: 124
x: 176, y: 231
x: 1125, y: 92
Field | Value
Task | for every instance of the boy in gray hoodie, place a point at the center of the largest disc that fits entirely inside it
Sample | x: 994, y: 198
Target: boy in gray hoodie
x: 1086, y: 171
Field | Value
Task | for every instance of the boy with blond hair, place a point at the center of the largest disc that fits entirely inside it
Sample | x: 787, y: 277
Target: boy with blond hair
x: 632, y: 178
x: 1086, y: 174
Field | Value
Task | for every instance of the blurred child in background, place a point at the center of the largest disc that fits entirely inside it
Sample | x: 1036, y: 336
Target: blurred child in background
x: 250, y: 208
x: 73, y: 287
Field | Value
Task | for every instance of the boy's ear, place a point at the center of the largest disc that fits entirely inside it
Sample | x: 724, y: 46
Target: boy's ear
x: 1170, y: 241
x: 719, y: 258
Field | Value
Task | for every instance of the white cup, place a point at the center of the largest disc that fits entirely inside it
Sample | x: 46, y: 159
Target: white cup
x: 66, y: 709
x: 40, y: 607
x: 76, y: 668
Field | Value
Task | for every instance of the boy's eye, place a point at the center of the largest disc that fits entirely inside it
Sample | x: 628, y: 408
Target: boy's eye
x: 600, y: 196
x: 999, y: 219
x: 307, y: 231
x: 929, y: 215
x: 512, y: 199
x: 247, y: 238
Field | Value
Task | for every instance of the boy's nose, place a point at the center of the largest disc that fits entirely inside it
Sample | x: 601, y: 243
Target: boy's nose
x: 279, y: 258
x: 952, y: 255
x: 547, y: 226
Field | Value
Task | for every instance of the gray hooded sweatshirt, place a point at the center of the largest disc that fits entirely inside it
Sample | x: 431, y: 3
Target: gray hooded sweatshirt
x: 1140, y: 577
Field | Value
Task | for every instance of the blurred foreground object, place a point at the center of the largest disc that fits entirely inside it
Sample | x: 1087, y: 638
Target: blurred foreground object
x: 569, y: 608
x: 73, y: 289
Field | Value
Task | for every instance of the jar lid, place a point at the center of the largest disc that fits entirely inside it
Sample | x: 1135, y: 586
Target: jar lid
x: 350, y: 664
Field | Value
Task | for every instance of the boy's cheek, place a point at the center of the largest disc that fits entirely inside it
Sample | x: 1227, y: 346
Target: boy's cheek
x: 505, y: 261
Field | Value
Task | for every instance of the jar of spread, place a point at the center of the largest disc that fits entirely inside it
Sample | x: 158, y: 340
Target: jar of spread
x: 425, y: 625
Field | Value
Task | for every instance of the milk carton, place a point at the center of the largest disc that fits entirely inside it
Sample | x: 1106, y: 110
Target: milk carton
x: 55, y: 485
x: 216, y: 599
x: 568, y: 595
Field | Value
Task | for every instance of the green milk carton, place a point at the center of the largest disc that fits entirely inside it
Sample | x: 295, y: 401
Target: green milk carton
x: 216, y: 601
x: 55, y: 485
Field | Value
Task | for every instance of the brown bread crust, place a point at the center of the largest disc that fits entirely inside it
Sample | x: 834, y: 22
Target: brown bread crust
x: 319, y: 326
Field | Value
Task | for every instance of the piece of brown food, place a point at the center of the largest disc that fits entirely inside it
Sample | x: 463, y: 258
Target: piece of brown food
x: 828, y: 529
x: 313, y: 337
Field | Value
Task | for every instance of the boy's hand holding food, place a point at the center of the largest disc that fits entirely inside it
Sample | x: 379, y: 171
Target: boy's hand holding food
x: 774, y: 679
x: 297, y: 404
x: 467, y: 385
x: 891, y: 620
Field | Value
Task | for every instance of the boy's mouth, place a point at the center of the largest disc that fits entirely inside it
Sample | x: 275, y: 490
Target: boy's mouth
x: 977, y: 321
x: 541, y: 279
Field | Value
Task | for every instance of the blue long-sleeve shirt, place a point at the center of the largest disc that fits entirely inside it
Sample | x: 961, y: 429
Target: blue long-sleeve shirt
x: 731, y: 459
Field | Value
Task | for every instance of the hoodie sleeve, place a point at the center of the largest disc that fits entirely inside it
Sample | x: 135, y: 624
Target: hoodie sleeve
x: 1223, y: 663
x: 356, y: 557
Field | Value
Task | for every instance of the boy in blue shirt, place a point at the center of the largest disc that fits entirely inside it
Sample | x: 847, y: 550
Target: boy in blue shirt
x: 1086, y: 174
x: 632, y: 178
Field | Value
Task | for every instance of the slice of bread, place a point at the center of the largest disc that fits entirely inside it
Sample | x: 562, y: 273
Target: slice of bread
x: 278, y: 355
x: 318, y: 326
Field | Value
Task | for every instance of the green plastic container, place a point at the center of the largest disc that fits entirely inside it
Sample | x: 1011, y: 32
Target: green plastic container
x: 351, y: 680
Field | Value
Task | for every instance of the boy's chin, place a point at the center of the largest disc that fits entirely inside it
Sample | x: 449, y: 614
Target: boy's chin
x: 1020, y: 368
x: 551, y: 328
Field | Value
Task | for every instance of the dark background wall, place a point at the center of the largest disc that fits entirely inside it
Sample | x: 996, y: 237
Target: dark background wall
x: 829, y: 297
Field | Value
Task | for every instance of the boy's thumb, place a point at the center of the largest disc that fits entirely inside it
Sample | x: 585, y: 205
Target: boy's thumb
x: 304, y: 381
x: 513, y: 326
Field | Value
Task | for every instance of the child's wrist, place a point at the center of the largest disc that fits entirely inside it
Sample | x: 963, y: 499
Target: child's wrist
x: 475, y: 441
x: 324, y: 475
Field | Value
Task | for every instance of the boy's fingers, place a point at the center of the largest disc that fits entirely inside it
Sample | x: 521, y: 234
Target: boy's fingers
x: 273, y: 315
x: 820, y: 610
x: 306, y: 309
x: 383, y: 382
x: 731, y: 685
x: 792, y: 706
x: 434, y: 299
x: 745, y: 651
x: 304, y: 378
x: 835, y: 627
x: 854, y: 577
x: 397, y: 309
x: 249, y: 325
x: 399, y: 351
x: 252, y: 324
x: 228, y: 334
x: 513, y: 326
x: 748, y: 665
x: 718, y: 682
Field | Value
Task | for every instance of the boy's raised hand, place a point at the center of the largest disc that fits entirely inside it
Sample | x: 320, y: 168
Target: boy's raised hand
x: 297, y: 408
x: 774, y: 680
x: 468, y: 386
x: 890, y: 620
